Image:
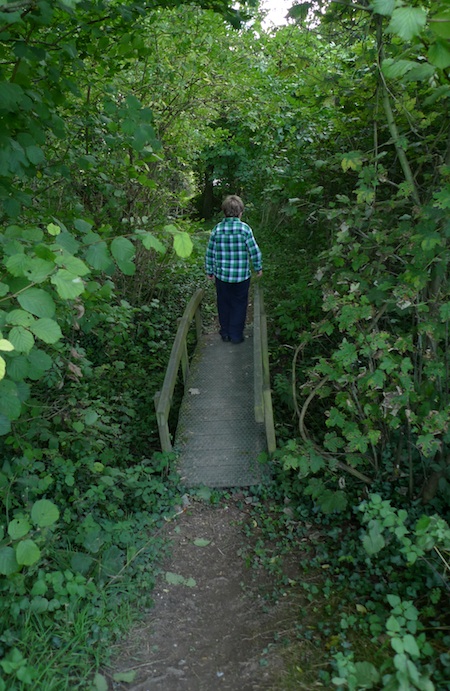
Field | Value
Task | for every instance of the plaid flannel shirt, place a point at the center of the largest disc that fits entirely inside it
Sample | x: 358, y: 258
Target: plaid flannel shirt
x: 230, y: 248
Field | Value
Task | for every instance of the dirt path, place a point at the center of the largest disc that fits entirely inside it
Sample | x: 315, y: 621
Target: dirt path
x: 210, y: 627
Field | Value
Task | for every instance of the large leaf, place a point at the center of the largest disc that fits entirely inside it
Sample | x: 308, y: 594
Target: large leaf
x: 19, y: 318
x: 21, y: 338
x: 407, y: 22
x: 6, y: 345
x: 38, y: 269
x: 98, y: 256
x: 10, y: 405
x: 68, y: 285
x: 39, y: 362
x: 439, y: 54
x: 151, y: 242
x: 123, y: 252
x: 47, y: 330
x: 18, y: 528
x: 12, y: 95
x: 27, y: 552
x: 73, y: 264
x: 5, y: 425
x: 440, y: 23
x: 383, y: 7
x: 373, y: 540
x: 18, y: 367
x: 44, y: 513
x: 8, y: 561
x: 38, y: 302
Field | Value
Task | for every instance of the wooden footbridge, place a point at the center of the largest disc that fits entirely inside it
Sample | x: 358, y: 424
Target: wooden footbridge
x: 225, y: 420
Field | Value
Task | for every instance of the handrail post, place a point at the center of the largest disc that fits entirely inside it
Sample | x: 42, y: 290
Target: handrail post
x: 257, y: 355
x: 263, y: 394
x: 179, y: 355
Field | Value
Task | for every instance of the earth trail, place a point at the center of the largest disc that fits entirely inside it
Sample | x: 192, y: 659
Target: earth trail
x: 210, y: 627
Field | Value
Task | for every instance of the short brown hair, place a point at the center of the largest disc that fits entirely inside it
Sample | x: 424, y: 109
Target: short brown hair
x: 232, y: 206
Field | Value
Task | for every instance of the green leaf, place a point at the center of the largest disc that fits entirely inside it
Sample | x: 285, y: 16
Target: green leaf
x: 44, y: 513
x: 174, y: 578
x: 393, y: 625
x: 67, y: 284
x: 352, y: 160
x: 407, y: 22
x: 383, y: 7
x: 73, y: 264
x: 439, y: 54
x: 420, y: 73
x: 27, y: 553
x: 332, y: 501
x: 440, y: 23
x: 183, y: 245
x: 39, y: 269
x: 100, y: 683
x: 394, y: 69
x: 12, y: 95
x: 18, y: 528
x: 38, y: 302
x: 367, y: 675
x: 19, y: 318
x: 10, y: 405
x: 122, y: 249
x: 123, y: 252
x: 39, y: 362
x: 53, y: 229
x: 126, y: 677
x: 397, y: 644
x: 34, y: 154
x: 17, y: 264
x: 151, y: 242
x: 5, y: 425
x: 2, y: 367
x: 98, y: 256
x: 373, y: 540
x: 410, y: 645
x: 8, y: 561
x: 82, y: 225
x: 47, y: 330
x: 444, y: 312
x: 6, y: 346
x: 201, y: 542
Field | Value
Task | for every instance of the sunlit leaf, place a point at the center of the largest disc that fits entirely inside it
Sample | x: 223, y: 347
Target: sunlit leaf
x: 27, y: 552
x: 44, y: 513
x: 38, y: 302
x: 407, y: 22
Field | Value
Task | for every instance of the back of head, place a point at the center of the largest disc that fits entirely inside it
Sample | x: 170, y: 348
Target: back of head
x: 232, y: 206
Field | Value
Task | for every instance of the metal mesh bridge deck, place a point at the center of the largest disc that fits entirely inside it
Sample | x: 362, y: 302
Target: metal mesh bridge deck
x: 217, y: 438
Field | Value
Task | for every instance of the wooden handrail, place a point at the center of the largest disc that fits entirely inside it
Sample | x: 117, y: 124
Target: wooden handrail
x: 178, y: 356
x: 263, y: 393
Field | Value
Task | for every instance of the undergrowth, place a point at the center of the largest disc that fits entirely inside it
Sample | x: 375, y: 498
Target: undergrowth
x: 364, y: 615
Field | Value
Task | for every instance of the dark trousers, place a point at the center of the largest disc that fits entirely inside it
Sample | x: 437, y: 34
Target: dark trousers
x: 232, y: 300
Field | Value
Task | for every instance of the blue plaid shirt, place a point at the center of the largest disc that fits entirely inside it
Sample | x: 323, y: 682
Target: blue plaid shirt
x: 230, y: 249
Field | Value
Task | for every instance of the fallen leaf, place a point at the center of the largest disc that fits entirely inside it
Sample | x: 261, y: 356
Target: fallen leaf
x: 125, y: 676
x: 201, y: 542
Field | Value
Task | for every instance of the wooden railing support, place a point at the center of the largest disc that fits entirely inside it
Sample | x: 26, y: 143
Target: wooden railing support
x: 263, y: 393
x: 178, y: 355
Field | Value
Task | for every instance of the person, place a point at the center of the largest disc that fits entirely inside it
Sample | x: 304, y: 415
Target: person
x: 230, y: 251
